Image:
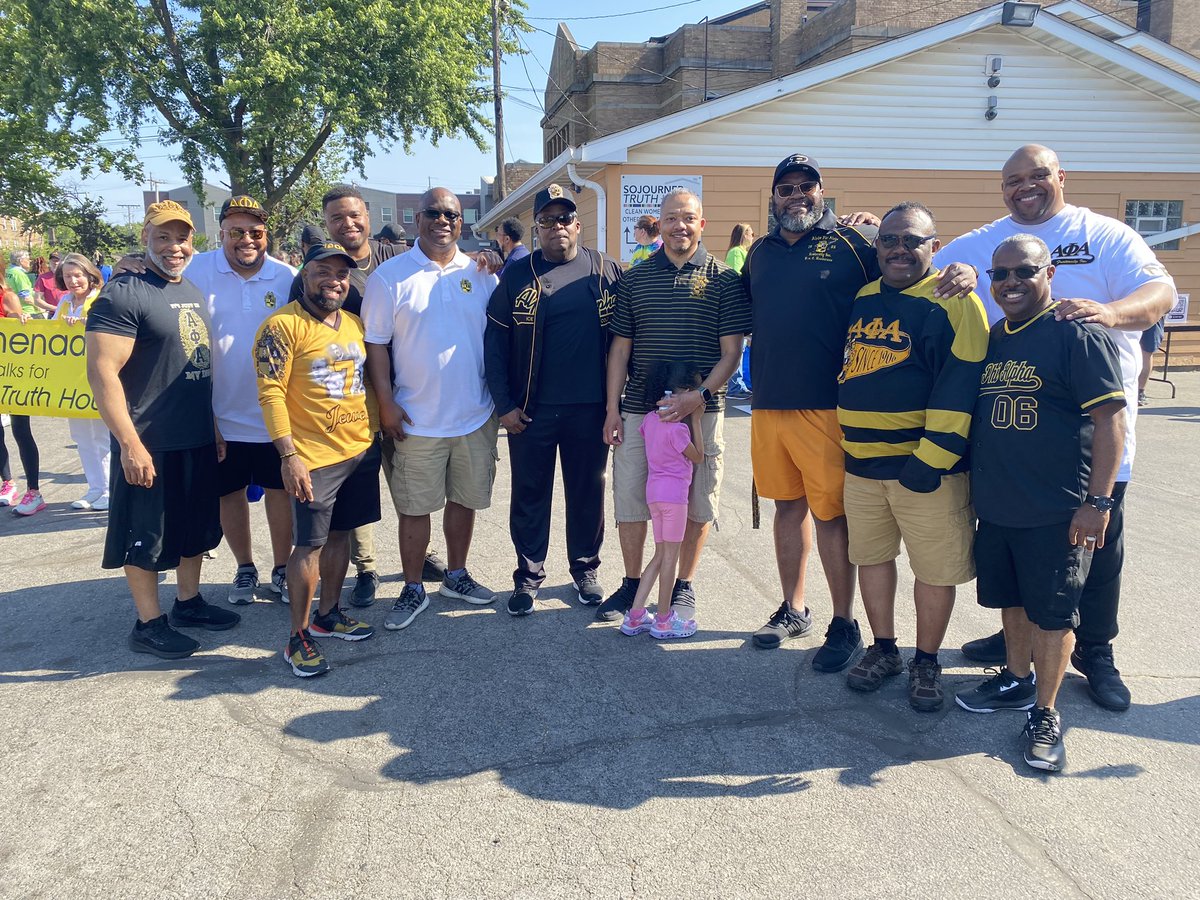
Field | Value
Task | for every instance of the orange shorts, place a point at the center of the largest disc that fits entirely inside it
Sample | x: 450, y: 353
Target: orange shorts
x: 798, y: 453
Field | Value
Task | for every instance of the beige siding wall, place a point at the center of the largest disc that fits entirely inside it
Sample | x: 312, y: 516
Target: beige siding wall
x: 961, y: 201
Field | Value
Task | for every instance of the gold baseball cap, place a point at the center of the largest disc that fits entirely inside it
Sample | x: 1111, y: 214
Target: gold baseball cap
x: 167, y: 211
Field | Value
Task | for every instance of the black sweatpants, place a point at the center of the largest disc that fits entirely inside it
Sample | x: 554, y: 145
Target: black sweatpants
x: 1102, y: 593
x: 26, y: 447
x: 574, y: 433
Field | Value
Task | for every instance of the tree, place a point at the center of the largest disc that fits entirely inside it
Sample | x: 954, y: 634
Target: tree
x: 259, y: 87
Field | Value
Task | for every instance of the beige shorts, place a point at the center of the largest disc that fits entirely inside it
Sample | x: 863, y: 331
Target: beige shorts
x: 938, y: 528
x: 427, y: 472
x: 630, y: 471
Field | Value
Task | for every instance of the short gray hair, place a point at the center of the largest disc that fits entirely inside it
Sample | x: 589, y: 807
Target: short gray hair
x: 1038, y: 252
x: 16, y: 256
x: 681, y: 192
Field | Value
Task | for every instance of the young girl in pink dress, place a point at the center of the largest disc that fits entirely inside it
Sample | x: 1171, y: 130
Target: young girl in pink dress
x: 671, y: 450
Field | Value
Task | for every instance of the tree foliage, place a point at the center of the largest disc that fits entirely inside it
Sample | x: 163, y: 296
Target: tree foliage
x: 257, y: 88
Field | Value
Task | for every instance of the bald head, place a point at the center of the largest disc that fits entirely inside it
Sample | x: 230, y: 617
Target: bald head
x: 439, y: 224
x: 1032, y: 184
x: 433, y: 196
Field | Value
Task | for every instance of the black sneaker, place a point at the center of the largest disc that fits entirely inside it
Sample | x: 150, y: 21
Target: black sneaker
x: 160, y: 639
x: 1095, y: 662
x: 619, y: 602
x: 196, y: 613
x: 434, y: 568
x: 520, y: 602
x: 365, y: 584
x: 1003, y: 690
x: 783, y: 625
x: 1041, y: 740
x: 683, y: 597
x: 588, y: 588
x: 990, y: 650
x: 842, y: 643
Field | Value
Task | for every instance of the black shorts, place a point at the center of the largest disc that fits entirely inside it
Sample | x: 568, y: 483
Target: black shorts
x: 1152, y: 337
x: 246, y: 464
x: 177, y: 517
x: 1035, y: 568
x: 345, y: 497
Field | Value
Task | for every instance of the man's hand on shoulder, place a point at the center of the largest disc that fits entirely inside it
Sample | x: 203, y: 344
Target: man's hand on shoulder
x: 859, y: 218
x: 1079, y: 310
x: 956, y: 280
x: 130, y: 264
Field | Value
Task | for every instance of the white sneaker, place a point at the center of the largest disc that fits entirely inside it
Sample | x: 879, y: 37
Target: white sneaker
x: 88, y: 500
x: 8, y: 493
x: 81, y: 503
x: 101, y: 503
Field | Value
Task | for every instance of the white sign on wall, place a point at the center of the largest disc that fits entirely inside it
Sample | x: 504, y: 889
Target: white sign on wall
x: 642, y: 195
x: 1178, y: 313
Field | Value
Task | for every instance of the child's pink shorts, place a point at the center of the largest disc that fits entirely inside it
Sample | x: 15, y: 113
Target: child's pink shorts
x: 669, y: 520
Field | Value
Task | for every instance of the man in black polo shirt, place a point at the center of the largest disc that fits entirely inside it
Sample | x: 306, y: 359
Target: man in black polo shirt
x: 545, y: 345
x: 681, y: 304
x: 802, y: 279
x: 1046, y: 446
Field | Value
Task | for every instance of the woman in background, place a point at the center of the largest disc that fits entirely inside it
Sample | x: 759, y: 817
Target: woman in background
x: 739, y: 245
x: 645, y: 232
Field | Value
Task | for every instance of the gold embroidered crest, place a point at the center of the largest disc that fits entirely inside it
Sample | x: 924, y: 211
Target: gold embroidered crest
x: 555, y: 191
x: 699, y: 285
x: 465, y: 285
x: 269, y: 300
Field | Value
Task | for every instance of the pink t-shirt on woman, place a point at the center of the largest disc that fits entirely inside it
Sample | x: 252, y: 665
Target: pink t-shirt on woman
x: 670, y: 472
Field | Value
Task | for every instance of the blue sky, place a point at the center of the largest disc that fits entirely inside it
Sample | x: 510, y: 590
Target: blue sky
x: 459, y: 164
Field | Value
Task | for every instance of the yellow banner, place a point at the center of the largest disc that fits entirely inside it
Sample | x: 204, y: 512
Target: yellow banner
x: 43, y: 369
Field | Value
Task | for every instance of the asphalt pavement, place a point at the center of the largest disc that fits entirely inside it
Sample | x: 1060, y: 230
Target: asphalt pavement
x: 477, y: 755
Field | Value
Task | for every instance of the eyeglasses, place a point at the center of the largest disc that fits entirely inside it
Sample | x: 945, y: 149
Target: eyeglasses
x: 910, y: 241
x: 255, y: 234
x: 549, y: 221
x: 448, y: 214
x: 783, y: 191
x: 1000, y: 273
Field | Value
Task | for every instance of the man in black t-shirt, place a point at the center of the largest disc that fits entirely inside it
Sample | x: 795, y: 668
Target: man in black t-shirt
x: 150, y: 368
x: 1046, y: 442
x: 545, y: 345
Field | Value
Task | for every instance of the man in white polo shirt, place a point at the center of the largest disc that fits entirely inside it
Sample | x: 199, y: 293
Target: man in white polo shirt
x: 430, y: 305
x: 242, y: 286
x: 1104, y: 273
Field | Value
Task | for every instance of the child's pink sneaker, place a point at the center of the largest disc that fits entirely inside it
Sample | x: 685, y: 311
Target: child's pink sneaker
x: 633, y: 623
x: 673, y: 628
x: 31, y: 503
x: 8, y: 493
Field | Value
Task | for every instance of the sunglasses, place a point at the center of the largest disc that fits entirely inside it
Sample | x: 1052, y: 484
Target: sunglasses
x: 910, y: 241
x: 255, y: 234
x: 549, y: 221
x: 1001, y: 273
x: 448, y: 214
x: 783, y: 191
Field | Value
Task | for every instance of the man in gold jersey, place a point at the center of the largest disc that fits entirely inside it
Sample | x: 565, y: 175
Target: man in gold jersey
x: 309, y: 357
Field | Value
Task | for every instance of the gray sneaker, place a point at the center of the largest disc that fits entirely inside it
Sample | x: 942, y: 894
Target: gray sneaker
x: 464, y: 587
x: 245, y: 584
x: 410, y: 604
x: 277, y: 589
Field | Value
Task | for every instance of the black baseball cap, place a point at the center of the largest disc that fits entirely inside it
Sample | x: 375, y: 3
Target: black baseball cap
x: 243, y: 203
x: 797, y: 162
x: 312, y: 234
x: 552, y: 193
x: 391, y: 232
x: 326, y: 249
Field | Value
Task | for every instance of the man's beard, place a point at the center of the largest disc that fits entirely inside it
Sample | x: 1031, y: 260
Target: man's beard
x: 163, y: 267
x: 804, y: 222
x: 325, y: 304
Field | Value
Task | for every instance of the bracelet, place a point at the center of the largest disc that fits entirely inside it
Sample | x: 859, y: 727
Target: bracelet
x: 284, y: 456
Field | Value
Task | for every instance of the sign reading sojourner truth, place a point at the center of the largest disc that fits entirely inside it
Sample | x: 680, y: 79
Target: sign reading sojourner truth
x: 642, y: 195
x: 43, y: 369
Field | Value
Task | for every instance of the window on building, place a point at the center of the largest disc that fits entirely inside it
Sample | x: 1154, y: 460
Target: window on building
x: 385, y: 213
x: 557, y: 143
x: 408, y: 216
x: 1151, y: 217
x: 470, y: 215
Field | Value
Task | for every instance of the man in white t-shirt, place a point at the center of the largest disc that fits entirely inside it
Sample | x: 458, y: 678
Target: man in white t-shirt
x: 1104, y: 273
x: 430, y: 305
x: 242, y: 285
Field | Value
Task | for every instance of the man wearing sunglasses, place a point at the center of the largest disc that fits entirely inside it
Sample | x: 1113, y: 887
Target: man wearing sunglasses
x: 907, y: 390
x: 1106, y: 275
x: 428, y: 307
x: 802, y: 279
x: 546, y: 340
x: 1047, y: 438
x: 242, y: 286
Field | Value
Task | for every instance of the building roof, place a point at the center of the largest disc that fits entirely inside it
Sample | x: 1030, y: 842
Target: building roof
x: 1071, y: 29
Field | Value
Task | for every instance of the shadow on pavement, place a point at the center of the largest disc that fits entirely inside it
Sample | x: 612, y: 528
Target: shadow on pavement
x: 554, y: 706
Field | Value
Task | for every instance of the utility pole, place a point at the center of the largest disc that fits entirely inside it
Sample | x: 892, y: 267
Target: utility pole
x: 501, y: 181
x: 129, y: 208
x: 154, y: 183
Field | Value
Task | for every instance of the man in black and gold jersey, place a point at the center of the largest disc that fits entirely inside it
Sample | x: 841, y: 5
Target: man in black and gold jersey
x: 1046, y: 443
x: 907, y: 391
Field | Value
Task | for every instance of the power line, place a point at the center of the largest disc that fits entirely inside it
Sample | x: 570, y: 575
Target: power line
x: 636, y: 12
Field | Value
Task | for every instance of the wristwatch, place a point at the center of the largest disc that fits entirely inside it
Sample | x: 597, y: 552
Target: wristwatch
x: 1103, y: 504
x: 705, y: 393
